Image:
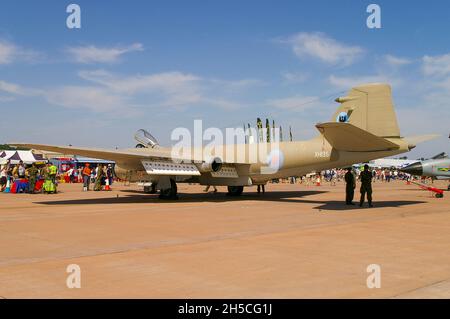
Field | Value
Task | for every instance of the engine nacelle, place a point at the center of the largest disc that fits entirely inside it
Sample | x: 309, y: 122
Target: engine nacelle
x: 211, y: 165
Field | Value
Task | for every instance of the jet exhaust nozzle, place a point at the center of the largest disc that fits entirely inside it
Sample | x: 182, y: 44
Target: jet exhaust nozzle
x: 413, y: 169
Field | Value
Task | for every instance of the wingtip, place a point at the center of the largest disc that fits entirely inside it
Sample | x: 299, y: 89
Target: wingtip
x: 413, y: 141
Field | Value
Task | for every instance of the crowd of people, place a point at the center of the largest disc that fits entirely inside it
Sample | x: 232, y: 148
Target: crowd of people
x: 336, y: 175
x: 100, y: 176
x: 350, y: 176
x: 28, y: 178
x: 44, y: 177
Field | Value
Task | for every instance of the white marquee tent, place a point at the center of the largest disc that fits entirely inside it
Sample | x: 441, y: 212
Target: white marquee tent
x: 16, y: 156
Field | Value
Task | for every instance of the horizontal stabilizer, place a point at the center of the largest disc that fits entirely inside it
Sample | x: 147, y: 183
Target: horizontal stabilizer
x: 347, y: 137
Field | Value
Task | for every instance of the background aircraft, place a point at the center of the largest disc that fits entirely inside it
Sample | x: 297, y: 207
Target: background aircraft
x: 363, y: 128
x: 390, y: 163
x: 436, y: 168
x: 397, y: 163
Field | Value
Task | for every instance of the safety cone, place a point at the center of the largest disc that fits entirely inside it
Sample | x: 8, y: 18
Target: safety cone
x: 107, y: 188
x: 318, y: 181
x: 8, y: 186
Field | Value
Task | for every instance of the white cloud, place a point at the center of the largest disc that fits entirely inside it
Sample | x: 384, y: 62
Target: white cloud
x: 15, y: 89
x: 436, y: 65
x: 396, y: 61
x: 9, y: 53
x: 4, y: 99
x: 170, y: 89
x: 294, y: 77
x: 346, y: 83
x: 295, y: 103
x: 92, y: 98
x: 11, y: 88
x: 93, y: 54
x: 129, y: 95
x: 319, y: 46
x: 166, y: 82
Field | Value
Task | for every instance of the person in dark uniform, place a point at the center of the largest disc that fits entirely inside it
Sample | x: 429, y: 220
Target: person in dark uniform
x: 366, y: 186
x: 32, y: 177
x: 350, y: 186
x: 263, y: 188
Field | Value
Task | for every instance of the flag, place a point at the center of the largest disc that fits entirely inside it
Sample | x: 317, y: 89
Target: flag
x: 259, y: 126
x: 268, y: 130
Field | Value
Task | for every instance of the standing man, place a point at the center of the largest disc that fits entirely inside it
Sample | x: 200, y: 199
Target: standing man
x: 262, y: 187
x: 70, y: 174
x: 208, y: 187
x: 32, y: 177
x: 109, y: 174
x: 21, y: 170
x: 366, y: 186
x: 350, y: 181
x: 86, y: 173
x: 52, y: 172
x: 99, y: 178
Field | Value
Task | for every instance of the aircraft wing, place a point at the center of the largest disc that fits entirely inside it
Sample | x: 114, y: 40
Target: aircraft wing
x: 133, y: 155
x: 347, y: 137
x: 117, y: 155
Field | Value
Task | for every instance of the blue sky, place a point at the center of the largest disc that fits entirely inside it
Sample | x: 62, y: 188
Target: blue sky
x: 161, y: 64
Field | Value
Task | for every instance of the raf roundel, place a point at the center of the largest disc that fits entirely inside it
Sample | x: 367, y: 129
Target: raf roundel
x: 342, y: 117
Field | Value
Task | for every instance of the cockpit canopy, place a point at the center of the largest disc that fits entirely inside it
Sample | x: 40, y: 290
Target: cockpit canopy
x: 145, y: 139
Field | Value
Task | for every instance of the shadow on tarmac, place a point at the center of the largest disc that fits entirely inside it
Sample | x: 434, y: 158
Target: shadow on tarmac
x: 282, y: 196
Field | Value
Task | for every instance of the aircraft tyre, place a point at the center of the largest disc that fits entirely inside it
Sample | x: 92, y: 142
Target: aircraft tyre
x: 169, y: 193
x: 439, y: 195
x: 150, y: 189
x: 235, y: 190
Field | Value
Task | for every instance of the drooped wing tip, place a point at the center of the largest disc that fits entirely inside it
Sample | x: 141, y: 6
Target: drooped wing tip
x: 414, y: 140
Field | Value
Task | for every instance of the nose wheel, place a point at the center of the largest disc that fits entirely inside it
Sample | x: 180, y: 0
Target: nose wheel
x: 235, y: 190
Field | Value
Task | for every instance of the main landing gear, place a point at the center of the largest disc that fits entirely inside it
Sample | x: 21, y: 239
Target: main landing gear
x: 150, y: 189
x: 169, y: 193
x: 235, y: 190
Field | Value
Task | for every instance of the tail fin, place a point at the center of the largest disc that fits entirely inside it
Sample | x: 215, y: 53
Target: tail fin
x: 370, y: 108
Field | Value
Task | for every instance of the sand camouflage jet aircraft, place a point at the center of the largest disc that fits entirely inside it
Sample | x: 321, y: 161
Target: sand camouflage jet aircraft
x: 363, y: 128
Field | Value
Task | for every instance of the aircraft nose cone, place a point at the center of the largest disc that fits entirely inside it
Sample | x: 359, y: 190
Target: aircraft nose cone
x: 413, y: 169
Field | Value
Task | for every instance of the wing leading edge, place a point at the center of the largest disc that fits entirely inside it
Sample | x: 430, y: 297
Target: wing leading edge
x: 119, y: 155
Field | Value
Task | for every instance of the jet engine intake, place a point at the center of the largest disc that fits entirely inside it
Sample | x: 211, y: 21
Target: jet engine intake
x: 211, y: 165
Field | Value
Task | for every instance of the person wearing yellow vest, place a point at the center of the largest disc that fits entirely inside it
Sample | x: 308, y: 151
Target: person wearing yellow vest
x: 52, y: 172
x: 49, y: 173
